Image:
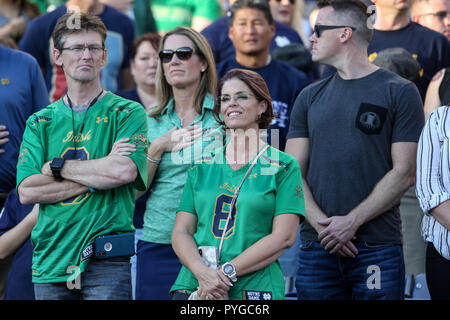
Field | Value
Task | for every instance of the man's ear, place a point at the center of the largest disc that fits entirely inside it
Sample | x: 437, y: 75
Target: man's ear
x: 273, y: 29
x: 230, y: 33
x: 105, y: 57
x: 345, y: 35
x: 56, y: 55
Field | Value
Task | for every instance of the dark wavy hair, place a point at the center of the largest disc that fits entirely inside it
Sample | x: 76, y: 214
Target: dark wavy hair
x: 258, y: 88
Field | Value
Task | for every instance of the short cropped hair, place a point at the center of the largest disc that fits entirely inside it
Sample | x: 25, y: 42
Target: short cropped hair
x: 258, y: 88
x: 75, y: 22
x: 353, y: 13
x: 261, y: 5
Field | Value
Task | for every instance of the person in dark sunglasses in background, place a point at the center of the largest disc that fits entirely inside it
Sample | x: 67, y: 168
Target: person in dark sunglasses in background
x: 185, y: 85
x: 355, y: 136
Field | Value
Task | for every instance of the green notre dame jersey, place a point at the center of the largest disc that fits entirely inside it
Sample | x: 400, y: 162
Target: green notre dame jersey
x: 64, y: 230
x: 273, y: 187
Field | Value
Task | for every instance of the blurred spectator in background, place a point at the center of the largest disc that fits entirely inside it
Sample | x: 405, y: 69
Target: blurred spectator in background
x: 222, y: 47
x: 22, y: 93
x: 251, y: 30
x: 433, y: 14
x: 393, y: 28
x: 47, y: 5
x: 143, y: 69
x: 196, y: 14
x: 291, y: 13
x: 14, y: 17
x: 438, y: 93
x: 16, y: 222
x: 139, y: 11
x: 115, y: 75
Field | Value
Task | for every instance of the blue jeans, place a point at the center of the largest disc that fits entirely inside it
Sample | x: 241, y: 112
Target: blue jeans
x: 108, y: 279
x: 377, y: 272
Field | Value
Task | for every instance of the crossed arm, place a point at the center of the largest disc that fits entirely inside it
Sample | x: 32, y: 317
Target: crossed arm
x: 104, y: 173
x: 335, y: 233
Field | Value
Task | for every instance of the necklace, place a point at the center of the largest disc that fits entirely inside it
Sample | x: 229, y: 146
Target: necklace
x: 84, y: 117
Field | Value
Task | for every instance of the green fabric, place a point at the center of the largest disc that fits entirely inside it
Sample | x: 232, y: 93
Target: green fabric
x: 44, y: 4
x: 143, y: 17
x: 66, y: 228
x: 273, y: 187
x: 167, y: 185
x: 173, y: 13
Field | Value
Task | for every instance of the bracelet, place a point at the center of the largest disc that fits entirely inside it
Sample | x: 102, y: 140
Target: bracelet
x: 153, y: 160
x: 91, y: 189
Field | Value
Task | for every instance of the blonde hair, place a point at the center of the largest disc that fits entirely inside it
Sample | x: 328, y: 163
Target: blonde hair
x: 208, y: 80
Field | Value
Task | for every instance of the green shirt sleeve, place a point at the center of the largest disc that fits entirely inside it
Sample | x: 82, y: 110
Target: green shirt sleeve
x: 133, y: 125
x: 187, y: 200
x: 289, y: 198
x: 31, y: 156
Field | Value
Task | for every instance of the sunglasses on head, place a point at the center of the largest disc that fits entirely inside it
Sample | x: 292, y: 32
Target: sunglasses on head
x: 318, y: 28
x: 183, y: 53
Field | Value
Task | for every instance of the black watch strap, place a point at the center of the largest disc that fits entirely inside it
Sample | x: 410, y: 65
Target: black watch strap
x: 56, y: 166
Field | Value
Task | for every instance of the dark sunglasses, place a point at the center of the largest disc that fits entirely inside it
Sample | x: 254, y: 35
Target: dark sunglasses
x: 318, y: 28
x: 183, y: 53
x: 290, y: 1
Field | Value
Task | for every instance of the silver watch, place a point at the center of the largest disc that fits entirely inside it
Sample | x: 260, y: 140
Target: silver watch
x: 230, y: 271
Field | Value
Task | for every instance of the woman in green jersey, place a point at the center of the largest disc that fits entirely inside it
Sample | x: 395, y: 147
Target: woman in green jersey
x: 265, y: 218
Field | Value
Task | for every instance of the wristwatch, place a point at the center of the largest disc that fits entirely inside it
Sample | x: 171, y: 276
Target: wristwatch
x: 56, y: 167
x: 229, y: 270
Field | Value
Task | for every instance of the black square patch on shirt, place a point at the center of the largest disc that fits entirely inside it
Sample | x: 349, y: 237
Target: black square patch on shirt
x: 370, y: 118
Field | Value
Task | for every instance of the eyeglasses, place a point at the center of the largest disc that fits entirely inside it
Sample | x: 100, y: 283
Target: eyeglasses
x: 318, y: 28
x: 183, y: 53
x: 290, y: 1
x: 441, y: 15
x: 240, y: 97
x: 79, y: 49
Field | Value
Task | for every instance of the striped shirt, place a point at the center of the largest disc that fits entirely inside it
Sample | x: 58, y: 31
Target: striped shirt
x: 433, y: 176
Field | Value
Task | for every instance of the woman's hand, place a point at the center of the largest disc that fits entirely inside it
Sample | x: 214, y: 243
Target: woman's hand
x: 122, y: 148
x: 177, y: 139
x: 213, y: 285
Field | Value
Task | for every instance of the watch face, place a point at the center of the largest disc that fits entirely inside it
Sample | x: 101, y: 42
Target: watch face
x: 228, y: 269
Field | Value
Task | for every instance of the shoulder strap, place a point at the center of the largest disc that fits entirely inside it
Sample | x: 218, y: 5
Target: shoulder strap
x: 236, y: 194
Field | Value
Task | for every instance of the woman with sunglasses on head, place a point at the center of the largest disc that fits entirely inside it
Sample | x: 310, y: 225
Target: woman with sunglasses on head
x: 181, y: 124
x: 249, y: 229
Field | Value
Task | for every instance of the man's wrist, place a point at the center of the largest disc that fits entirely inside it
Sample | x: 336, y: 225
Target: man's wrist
x: 56, y: 167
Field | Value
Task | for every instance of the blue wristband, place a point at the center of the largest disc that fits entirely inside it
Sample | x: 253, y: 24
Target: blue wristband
x: 91, y: 189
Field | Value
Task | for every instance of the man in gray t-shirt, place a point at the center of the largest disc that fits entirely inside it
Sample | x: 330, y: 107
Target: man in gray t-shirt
x: 355, y: 135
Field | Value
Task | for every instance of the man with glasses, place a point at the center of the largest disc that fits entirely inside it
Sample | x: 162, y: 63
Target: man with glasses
x: 115, y: 75
x: 355, y: 136
x: 393, y: 28
x: 433, y: 14
x: 85, y: 190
